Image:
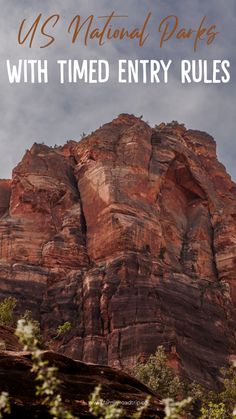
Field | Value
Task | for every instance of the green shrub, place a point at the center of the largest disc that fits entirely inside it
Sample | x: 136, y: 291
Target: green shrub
x: 228, y: 395
x: 214, y: 411
x: 157, y: 375
x: 63, y: 328
x: 7, y: 311
x: 220, y: 405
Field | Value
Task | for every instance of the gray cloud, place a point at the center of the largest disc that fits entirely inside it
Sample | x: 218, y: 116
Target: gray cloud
x: 54, y: 113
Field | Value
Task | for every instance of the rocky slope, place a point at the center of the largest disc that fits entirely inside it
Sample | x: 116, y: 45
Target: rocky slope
x: 78, y: 381
x: 129, y: 234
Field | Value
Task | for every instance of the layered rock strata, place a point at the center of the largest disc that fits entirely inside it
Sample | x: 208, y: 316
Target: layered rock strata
x: 130, y: 235
x: 78, y: 381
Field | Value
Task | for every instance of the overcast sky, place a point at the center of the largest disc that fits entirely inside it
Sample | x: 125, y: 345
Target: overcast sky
x: 54, y: 113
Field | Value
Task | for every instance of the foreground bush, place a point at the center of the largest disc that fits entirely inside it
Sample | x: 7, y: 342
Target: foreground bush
x: 46, y: 375
x: 4, y: 404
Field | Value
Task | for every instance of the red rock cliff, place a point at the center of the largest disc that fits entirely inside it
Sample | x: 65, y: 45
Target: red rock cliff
x: 130, y: 235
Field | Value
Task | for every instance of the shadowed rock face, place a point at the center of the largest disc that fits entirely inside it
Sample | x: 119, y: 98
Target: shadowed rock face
x: 130, y: 235
x: 78, y: 381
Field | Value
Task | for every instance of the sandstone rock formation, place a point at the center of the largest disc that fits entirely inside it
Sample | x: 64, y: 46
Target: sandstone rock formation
x: 8, y: 340
x: 129, y: 234
x: 78, y: 381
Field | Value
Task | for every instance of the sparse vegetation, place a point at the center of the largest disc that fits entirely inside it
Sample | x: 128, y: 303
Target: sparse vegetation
x: 63, y: 328
x: 48, y: 387
x: 176, y: 410
x: 28, y: 317
x: 46, y: 375
x: 99, y: 408
x: 178, y: 398
x: 4, y: 404
x: 7, y: 307
x: 83, y: 135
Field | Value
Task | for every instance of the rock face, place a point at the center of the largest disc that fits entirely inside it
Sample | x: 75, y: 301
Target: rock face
x: 129, y: 234
x: 78, y: 382
x: 8, y: 340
